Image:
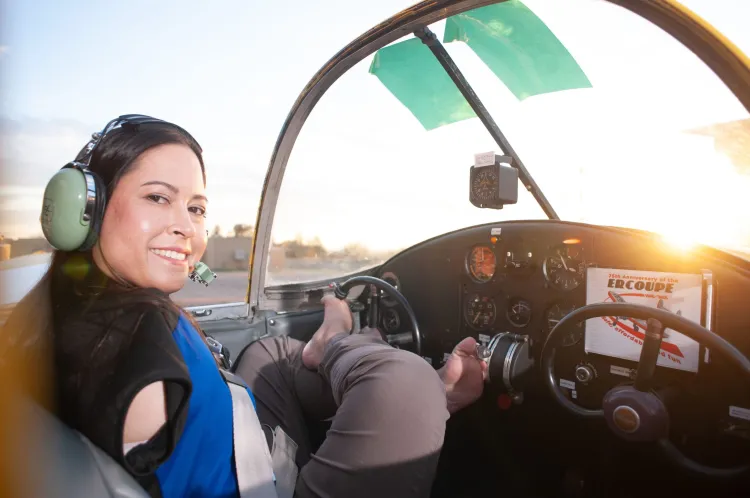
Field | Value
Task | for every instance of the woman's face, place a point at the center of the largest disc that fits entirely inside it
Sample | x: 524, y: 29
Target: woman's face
x: 153, y: 230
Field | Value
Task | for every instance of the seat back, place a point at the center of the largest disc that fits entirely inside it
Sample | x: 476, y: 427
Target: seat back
x: 59, y: 461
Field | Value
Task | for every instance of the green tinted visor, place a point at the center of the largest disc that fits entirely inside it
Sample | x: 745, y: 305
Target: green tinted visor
x: 519, y: 49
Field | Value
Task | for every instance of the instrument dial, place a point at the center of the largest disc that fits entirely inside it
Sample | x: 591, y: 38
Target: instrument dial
x: 391, y: 321
x: 485, y: 184
x: 480, y: 312
x: 481, y: 263
x: 556, y: 313
x: 565, y: 269
x: 392, y: 279
x: 519, y: 312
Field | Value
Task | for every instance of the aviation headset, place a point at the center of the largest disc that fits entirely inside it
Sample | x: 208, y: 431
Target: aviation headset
x: 75, y: 198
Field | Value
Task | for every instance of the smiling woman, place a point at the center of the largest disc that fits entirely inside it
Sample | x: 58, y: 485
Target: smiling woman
x: 153, y: 230
x: 130, y: 208
x: 126, y: 217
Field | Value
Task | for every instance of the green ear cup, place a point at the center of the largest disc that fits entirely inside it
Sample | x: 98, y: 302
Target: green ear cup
x: 63, y: 211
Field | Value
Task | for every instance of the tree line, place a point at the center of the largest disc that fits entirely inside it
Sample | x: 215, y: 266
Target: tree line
x: 300, y: 248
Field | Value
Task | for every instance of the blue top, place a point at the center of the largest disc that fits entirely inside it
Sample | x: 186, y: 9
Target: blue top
x: 202, y: 462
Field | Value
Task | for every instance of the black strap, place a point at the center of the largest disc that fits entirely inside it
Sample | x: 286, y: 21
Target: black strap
x: 234, y: 379
x: 220, y: 352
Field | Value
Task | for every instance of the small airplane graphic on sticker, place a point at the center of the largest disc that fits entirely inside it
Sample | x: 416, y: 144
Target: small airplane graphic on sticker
x: 638, y: 324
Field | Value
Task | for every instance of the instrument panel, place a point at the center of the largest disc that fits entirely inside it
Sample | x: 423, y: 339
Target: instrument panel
x: 495, y: 267
x: 524, y: 277
x: 518, y: 277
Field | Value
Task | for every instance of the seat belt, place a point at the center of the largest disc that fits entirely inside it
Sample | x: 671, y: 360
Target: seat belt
x: 260, y: 473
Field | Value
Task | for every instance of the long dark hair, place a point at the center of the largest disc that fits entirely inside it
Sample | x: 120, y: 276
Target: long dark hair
x: 28, y: 333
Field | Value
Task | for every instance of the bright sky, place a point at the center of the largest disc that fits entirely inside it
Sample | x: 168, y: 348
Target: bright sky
x: 229, y: 72
x: 612, y: 154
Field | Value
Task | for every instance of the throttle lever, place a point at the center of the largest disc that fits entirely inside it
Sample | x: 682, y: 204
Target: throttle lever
x: 484, y: 353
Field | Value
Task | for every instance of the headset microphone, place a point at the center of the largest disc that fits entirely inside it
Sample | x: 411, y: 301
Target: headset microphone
x: 202, y: 274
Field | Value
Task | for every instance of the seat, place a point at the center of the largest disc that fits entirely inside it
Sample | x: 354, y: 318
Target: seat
x: 59, y: 461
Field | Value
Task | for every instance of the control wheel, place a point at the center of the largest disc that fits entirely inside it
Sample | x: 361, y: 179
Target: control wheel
x: 637, y: 412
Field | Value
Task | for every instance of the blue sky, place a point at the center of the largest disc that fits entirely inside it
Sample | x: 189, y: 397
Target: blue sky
x: 90, y: 59
x: 229, y: 71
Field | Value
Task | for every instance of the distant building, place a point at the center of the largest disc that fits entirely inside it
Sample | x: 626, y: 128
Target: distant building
x: 228, y: 253
x: 24, y: 247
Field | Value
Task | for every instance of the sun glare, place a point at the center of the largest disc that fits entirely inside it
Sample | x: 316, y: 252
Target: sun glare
x: 707, y: 227
x: 682, y: 241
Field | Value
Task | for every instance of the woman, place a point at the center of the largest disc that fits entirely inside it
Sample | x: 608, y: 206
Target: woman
x: 133, y: 372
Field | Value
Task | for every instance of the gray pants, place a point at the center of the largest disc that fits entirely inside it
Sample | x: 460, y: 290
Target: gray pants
x: 388, y: 407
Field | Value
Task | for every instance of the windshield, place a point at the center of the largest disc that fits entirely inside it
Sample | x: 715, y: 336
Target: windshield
x: 622, y: 126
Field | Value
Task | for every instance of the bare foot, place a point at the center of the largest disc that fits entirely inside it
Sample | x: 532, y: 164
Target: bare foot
x: 337, y: 320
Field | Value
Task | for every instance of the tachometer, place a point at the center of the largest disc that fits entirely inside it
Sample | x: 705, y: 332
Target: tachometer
x: 480, y: 312
x: 481, y: 263
x: 556, y: 313
x: 564, y: 269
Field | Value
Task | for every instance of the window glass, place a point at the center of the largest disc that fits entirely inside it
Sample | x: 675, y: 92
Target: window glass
x: 629, y: 144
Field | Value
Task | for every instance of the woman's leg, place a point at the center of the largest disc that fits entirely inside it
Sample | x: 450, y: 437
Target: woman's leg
x: 286, y: 393
x: 390, y: 414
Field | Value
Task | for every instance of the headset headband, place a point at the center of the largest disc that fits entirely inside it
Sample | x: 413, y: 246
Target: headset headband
x: 83, y: 158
